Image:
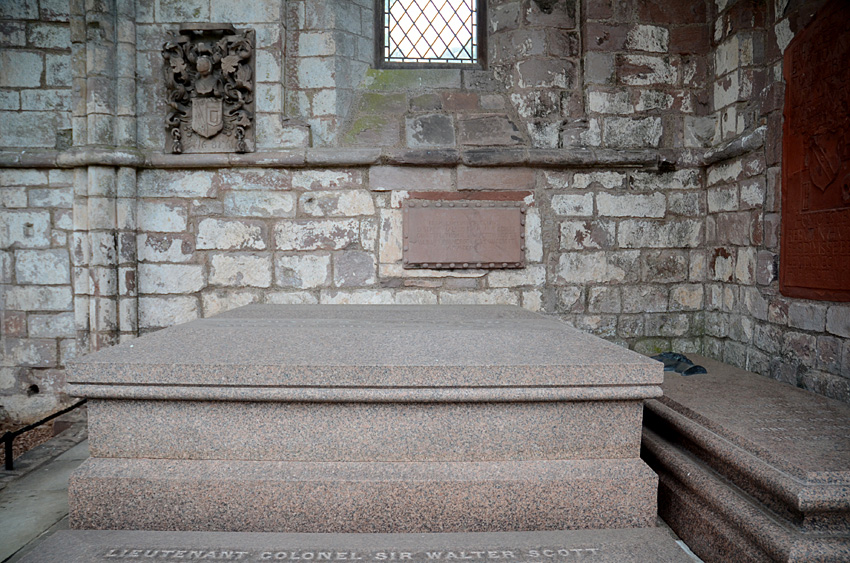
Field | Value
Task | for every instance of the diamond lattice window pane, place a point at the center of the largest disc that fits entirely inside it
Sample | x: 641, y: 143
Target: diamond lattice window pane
x: 431, y: 31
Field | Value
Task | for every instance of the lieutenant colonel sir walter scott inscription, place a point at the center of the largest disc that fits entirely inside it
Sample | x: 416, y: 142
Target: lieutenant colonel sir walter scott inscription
x: 464, y: 234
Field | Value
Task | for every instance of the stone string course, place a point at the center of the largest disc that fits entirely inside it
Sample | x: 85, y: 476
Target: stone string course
x: 648, y: 135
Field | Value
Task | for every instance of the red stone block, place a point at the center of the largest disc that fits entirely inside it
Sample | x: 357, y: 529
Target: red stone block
x: 599, y: 10
x: 459, y: 101
x: 691, y: 39
x: 672, y: 11
x: 14, y: 324
x: 605, y: 37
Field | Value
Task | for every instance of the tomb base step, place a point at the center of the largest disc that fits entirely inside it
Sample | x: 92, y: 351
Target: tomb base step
x: 723, y: 524
x: 596, y: 546
x: 368, y: 497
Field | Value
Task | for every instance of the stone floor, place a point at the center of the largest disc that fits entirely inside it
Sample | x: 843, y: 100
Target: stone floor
x: 34, y: 497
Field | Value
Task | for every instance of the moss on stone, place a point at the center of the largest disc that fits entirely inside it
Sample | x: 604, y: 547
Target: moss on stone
x: 363, y: 124
x: 411, y: 79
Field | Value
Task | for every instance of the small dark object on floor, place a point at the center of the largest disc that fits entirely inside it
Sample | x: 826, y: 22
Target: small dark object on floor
x: 678, y: 363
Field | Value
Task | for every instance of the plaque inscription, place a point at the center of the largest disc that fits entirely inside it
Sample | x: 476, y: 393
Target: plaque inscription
x: 464, y: 234
x: 815, y: 245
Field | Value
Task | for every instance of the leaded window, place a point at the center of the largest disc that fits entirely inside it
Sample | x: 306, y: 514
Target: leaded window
x: 431, y: 33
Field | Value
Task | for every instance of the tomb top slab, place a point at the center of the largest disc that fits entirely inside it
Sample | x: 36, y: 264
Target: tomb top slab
x: 415, y: 348
x: 798, y: 431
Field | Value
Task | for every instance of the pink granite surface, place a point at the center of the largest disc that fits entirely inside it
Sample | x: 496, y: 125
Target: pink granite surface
x: 467, y: 431
x: 407, y: 347
x: 640, y: 545
x: 789, y: 449
x: 723, y: 525
x: 361, y: 497
x: 751, y: 469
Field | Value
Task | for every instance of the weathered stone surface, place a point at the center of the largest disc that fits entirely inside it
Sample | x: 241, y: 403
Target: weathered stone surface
x: 683, y: 233
x: 220, y: 300
x: 170, y: 278
x: 573, y: 204
x: 161, y: 217
x: 383, y: 178
x: 259, y: 204
x: 595, y: 267
x: 302, y: 272
x: 488, y: 130
x: 354, y: 269
x: 167, y: 183
x: 326, y: 179
x: 588, y: 234
x: 229, y: 235
x: 38, y: 298
x: 624, y: 132
x: 631, y: 205
x: 157, y: 312
x: 240, y: 270
x: 27, y: 229
x: 434, y: 130
x: 59, y: 325
x: 609, y: 180
x: 45, y: 267
x: 317, y: 235
x: 336, y: 203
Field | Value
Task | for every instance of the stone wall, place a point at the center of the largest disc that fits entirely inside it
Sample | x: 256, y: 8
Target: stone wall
x: 644, y: 137
x: 748, y: 323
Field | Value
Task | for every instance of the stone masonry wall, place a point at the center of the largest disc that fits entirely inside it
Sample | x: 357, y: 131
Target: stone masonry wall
x: 748, y: 323
x: 643, y: 136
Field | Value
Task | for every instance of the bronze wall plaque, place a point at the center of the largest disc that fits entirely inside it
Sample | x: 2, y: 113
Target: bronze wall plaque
x: 209, y: 75
x: 464, y: 234
x: 815, y: 244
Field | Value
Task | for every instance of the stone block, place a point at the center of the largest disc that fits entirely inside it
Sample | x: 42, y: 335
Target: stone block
x: 433, y: 130
x: 327, y: 179
x: 178, y: 11
x: 652, y: 38
x: 168, y: 183
x: 291, y: 298
x: 588, y: 234
x: 161, y: 217
x: 664, y: 266
x: 537, y: 104
x: 229, y: 235
x: 531, y: 275
x: 610, y: 102
x: 624, y: 132
x: 39, y: 298
x: 807, y: 316
x: 170, y: 278
x: 685, y: 233
x: 488, y: 129
x: 631, y: 205
x: 354, y: 269
x: 596, y: 267
x: 374, y: 130
x: 604, y: 300
x: 686, y: 297
x: 11, y: 198
x: 645, y: 298
x: 573, y: 204
x: 47, y: 197
x: 403, y: 79
x: 302, y: 271
x: 259, y: 204
x: 336, y: 203
x: 20, y: 69
x: 240, y: 270
x: 838, y: 320
x: 386, y: 178
x: 473, y: 178
x: 60, y: 325
x: 30, y: 352
x: 545, y: 73
x: 317, y: 234
x: 158, y: 312
x: 26, y: 229
x: 28, y: 129
x: 220, y: 300
x: 245, y: 13
x: 43, y: 267
x: 645, y: 70
x: 598, y: 68
x: 608, y: 180
x: 49, y: 36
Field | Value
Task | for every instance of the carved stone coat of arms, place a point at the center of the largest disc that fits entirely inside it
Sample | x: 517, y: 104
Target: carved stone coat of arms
x: 209, y: 76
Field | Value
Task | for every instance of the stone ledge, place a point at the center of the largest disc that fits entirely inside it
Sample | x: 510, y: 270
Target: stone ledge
x: 322, y: 157
x: 370, y: 497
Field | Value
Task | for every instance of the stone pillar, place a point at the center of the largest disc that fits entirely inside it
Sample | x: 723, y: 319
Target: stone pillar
x: 104, y: 55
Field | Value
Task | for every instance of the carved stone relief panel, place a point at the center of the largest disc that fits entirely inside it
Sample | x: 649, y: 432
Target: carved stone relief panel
x: 815, y: 244
x: 209, y: 76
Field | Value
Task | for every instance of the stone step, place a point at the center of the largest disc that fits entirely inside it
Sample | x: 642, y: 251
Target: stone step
x: 751, y: 468
x: 228, y: 495
x: 639, y: 545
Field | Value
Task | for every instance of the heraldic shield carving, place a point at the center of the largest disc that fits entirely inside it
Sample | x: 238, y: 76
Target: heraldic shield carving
x: 209, y: 76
